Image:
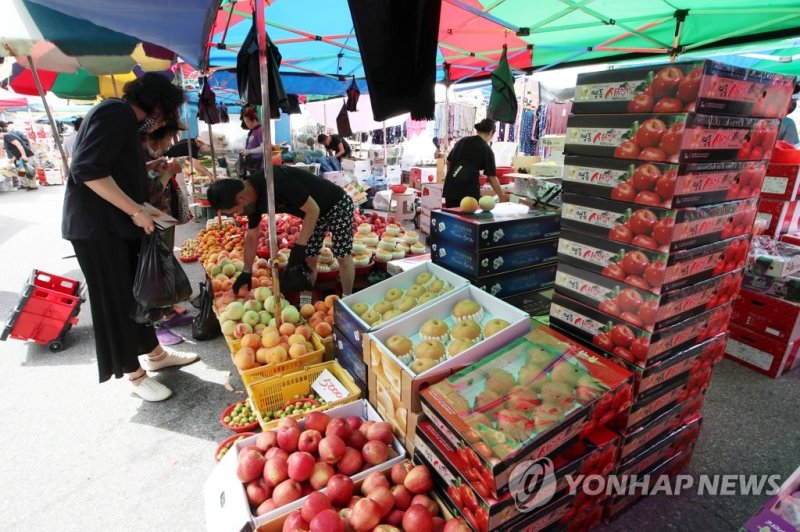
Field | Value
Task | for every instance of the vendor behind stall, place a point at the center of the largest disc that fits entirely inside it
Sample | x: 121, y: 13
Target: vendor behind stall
x: 468, y: 157
x: 322, y: 205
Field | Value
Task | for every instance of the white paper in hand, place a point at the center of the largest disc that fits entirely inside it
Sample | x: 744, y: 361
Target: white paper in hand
x: 329, y: 388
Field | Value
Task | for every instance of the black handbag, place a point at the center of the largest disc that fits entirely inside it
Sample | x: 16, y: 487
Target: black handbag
x: 205, y: 325
x: 343, y: 123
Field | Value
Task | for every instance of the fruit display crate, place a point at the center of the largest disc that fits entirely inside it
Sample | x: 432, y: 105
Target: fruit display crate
x: 251, y: 376
x: 273, y: 393
x: 224, y: 494
x: 704, y: 86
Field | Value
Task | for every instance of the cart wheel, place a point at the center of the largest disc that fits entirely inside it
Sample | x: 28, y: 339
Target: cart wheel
x: 55, y: 346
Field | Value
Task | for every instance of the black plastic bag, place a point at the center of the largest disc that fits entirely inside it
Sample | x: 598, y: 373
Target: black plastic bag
x: 343, y: 123
x: 207, y: 109
x: 296, y: 278
x: 205, y: 325
x: 160, y: 281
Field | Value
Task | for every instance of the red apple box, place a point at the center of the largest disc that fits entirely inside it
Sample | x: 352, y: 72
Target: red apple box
x: 760, y: 353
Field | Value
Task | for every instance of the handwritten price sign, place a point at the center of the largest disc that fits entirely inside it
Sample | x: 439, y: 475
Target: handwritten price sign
x: 329, y: 388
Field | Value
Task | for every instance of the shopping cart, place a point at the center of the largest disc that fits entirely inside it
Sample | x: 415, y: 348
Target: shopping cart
x: 48, y: 307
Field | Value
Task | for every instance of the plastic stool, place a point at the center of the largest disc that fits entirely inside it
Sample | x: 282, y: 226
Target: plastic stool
x: 402, y: 205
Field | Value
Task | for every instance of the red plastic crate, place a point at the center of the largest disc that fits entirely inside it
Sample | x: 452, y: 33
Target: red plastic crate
x: 54, y: 282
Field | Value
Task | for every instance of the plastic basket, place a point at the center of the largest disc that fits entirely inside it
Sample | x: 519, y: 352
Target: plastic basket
x: 251, y: 376
x: 48, y: 306
x: 271, y: 394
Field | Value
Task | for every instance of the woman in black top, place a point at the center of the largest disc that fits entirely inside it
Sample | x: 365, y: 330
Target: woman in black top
x: 468, y: 157
x: 105, y: 221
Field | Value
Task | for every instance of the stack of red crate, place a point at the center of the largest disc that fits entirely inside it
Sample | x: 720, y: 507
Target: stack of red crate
x: 661, y: 181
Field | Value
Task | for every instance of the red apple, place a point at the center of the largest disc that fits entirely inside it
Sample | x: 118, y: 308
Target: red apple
x: 331, y: 449
x: 402, y: 497
x: 385, y: 527
x: 418, y: 480
x: 265, y: 507
x: 650, y: 132
x: 366, y: 515
x: 288, y: 437
x: 418, y: 519
x: 438, y: 523
x: 373, y: 480
x: 286, y: 492
x: 354, y: 422
x: 381, y: 431
x: 456, y: 525
x: 276, y: 470
x: 666, y: 81
x: 356, y: 440
x: 395, y: 517
x: 353, y: 501
x: 251, y: 464
x: 365, y: 427
x: 383, y: 496
x: 317, y: 421
x: 309, y: 441
x: 246, y: 448
x: 267, y: 440
x: 257, y: 492
x: 327, y: 521
x: 288, y: 422
x: 276, y: 452
x: 340, y: 489
x: 315, y: 503
x: 294, y: 522
x: 350, y: 463
x: 320, y: 475
x: 399, y: 471
x: 427, y: 502
x: 339, y: 427
x: 375, y: 452
x: 300, y: 465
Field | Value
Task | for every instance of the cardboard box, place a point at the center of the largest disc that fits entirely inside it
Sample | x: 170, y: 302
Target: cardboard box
x: 425, y: 223
x: 675, y: 138
x: 355, y: 328
x: 351, y: 358
x: 524, y: 162
x: 703, y: 86
x: 423, y: 175
x: 663, y: 272
x: 463, y: 405
x: 505, y: 285
x: 786, y: 288
x: 772, y: 515
x: 431, y: 195
x: 387, y: 401
x: 644, y: 348
x: 761, y: 353
x: 395, y: 267
x: 395, y: 371
x: 506, y: 225
x: 776, y: 218
x: 767, y: 315
x: 773, y: 258
x: 478, y: 264
x: 547, y: 169
x: 535, y: 303
x: 665, y: 185
x: 659, y: 425
x: 224, y: 494
x: 640, y: 307
x: 545, y: 190
x: 781, y: 182
x: 657, y: 399
x: 677, y: 441
x: 656, y: 228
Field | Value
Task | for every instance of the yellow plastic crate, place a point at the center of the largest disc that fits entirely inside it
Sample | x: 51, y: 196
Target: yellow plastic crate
x: 271, y: 394
x: 250, y: 376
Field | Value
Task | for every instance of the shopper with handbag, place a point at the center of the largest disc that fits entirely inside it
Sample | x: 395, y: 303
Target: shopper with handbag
x: 252, y: 155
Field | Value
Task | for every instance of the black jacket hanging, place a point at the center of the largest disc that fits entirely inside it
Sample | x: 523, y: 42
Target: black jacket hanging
x: 207, y: 110
x: 248, y: 74
x: 343, y: 122
x: 352, y: 96
x: 398, y: 43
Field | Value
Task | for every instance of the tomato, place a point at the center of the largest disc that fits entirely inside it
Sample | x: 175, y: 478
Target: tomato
x: 689, y: 86
x: 639, y: 348
x: 603, y: 341
x: 647, y: 197
x: 644, y: 241
x: 668, y: 105
x: 623, y: 353
x: 746, y: 192
x: 769, y: 140
x: 629, y: 300
x: 636, y: 281
x: 634, y: 262
x: 614, y: 271
x: 648, y: 311
x: 609, y: 307
x: 654, y: 273
x: 623, y: 192
x: 671, y: 141
x: 666, y: 184
x: 642, y: 221
x: 645, y: 177
x: 621, y: 335
x: 470, y: 517
x: 666, y: 81
x: 632, y: 318
x: 653, y: 154
x: 650, y: 132
x: 627, y: 150
x: 641, y: 103
x: 663, y: 230
x: 620, y: 233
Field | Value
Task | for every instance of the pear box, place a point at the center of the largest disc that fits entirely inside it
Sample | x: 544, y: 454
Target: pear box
x: 399, y: 377
x: 510, y: 284
x: 527, y: 401
x: 226, y: 505
x: 349, y: 314
x: 507, y: 224
x: 351, y: 358
x: 476, y: 265
x: 458, y: 477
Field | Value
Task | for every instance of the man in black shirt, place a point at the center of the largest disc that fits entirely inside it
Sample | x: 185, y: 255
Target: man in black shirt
x: 322, y: 205
x: 336, y: 145
x: 18, y: 148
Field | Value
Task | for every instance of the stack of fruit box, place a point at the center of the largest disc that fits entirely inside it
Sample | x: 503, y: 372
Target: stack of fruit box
x: 661, y: 179
x: 778, y: 210
x: 508, y: 251
x: 765, y: 324
x: 542, y: 406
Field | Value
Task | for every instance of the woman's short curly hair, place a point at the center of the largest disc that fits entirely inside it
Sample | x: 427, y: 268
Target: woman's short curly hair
x: 153, y: 91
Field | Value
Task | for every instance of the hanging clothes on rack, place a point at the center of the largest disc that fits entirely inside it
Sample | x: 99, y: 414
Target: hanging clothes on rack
x: 526, y: 144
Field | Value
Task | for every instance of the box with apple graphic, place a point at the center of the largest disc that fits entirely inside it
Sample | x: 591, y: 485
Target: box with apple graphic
x: 651, y: 270
x: 506, y: 225
x: 656, y: 400
x: 663, y: 185
x: 655, y: 228
x: 697, y: 86
x: 776, y: 217
x: 673, y: 138
x: 641, y: 308
x: 642, y: 348
x: 761, y: 353
x: 527, y: 401
x: 478, y: 264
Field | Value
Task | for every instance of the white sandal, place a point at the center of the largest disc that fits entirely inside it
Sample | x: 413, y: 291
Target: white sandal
x: 151, y: 390
x: 171, y: 358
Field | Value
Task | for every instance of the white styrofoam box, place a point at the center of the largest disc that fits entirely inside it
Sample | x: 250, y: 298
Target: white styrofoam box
x: 547, y: 169
x: 554, y: 142
x: 425, y: 222
x: 427, y: 174
x: 395, y: 267
x: 393, y: 171
x: 338, y: 178
x: 431, y: 195
x: 225, y: 499
x: 354, y: 165
x: 53, y: 177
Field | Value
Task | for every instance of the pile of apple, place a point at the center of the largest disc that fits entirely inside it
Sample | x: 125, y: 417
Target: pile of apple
x: 377, y: 222
x: 287, y: 228
x: 291, y: 461
x: 386, y: 501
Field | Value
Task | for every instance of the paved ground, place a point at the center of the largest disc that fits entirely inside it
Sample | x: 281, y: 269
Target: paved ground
x: 84, y: 456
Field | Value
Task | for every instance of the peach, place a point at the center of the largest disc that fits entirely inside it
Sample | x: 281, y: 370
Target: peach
x: 307, y: 310
x: 320, y: 306
x: 305, y: 331
x: 297, y: 350
x: 270, y: 338
x: 297, y: 339
x: 323, y: 329
x: 286, y: 329
x: 329, y: 301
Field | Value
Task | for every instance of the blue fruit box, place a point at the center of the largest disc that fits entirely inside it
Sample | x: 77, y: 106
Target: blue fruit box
x: 481, y: 263
x: 507, y: 224
x: 510, y: 284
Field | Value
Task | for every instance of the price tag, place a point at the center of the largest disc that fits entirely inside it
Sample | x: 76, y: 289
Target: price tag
x: 329, y: 388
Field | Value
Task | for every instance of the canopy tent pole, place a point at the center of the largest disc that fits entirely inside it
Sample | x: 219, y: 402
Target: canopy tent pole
x: 114, y: 85
x: 266, y: 128
x: 385, y: 154
x: 185, y: 106
x: 444, y: 142
x: 213, y: 151
x: 52, y: 120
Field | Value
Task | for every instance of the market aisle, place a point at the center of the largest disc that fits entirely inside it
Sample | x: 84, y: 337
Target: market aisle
x: 89, y: 456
